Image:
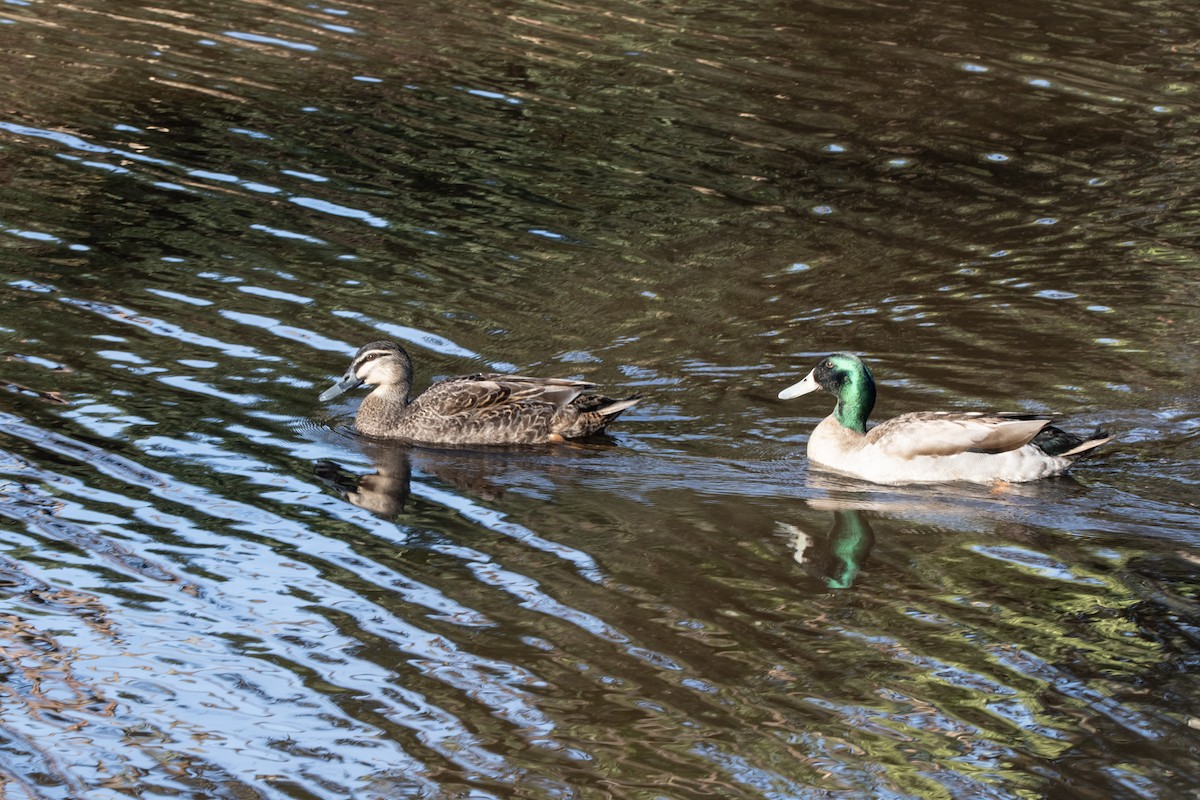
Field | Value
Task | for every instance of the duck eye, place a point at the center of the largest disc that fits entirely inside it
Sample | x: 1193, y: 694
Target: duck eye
x: 828, y: 365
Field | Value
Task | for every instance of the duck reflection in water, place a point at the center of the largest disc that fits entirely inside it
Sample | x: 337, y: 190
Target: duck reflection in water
x: 383, y: 492
x: 484, y: 474
x: 837, y: 556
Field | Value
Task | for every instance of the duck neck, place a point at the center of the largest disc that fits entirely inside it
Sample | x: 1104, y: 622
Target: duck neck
x: 855, y: 401
x: 382, y: 410
x: 850, y: 541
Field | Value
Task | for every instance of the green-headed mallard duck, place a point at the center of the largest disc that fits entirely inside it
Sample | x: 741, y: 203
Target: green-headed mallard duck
x: 470, y: 409
x: 930, y: 446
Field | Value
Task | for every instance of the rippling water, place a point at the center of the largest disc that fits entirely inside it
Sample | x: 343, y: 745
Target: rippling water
x: 212, y: 588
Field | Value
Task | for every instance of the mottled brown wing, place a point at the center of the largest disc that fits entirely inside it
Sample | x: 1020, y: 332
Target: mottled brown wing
x: 490, y: 393
x: 950, y: 433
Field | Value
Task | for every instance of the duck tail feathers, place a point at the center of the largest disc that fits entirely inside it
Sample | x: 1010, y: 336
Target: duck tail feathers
x: 619, y: 406
x: 1060, y: 444
x: 1098, y: 437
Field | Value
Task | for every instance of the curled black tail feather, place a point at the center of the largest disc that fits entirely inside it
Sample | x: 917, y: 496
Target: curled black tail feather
x: 1056, y: 442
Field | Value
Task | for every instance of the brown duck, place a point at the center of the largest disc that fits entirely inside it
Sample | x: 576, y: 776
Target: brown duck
x: 470, y: 409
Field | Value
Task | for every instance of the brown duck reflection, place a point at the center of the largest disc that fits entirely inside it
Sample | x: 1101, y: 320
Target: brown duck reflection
x: 383, y: 492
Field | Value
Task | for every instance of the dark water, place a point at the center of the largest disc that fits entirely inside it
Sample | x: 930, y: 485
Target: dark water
x: 211, y: 589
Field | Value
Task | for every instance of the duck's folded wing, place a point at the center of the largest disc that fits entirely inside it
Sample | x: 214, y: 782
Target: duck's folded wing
x: 951, y: 433
x: 474, y: 393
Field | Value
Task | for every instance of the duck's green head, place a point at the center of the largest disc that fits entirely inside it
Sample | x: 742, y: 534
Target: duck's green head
x: 847, y: 378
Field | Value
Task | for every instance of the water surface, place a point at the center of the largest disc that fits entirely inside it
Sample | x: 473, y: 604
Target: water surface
x: 212, y: 588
